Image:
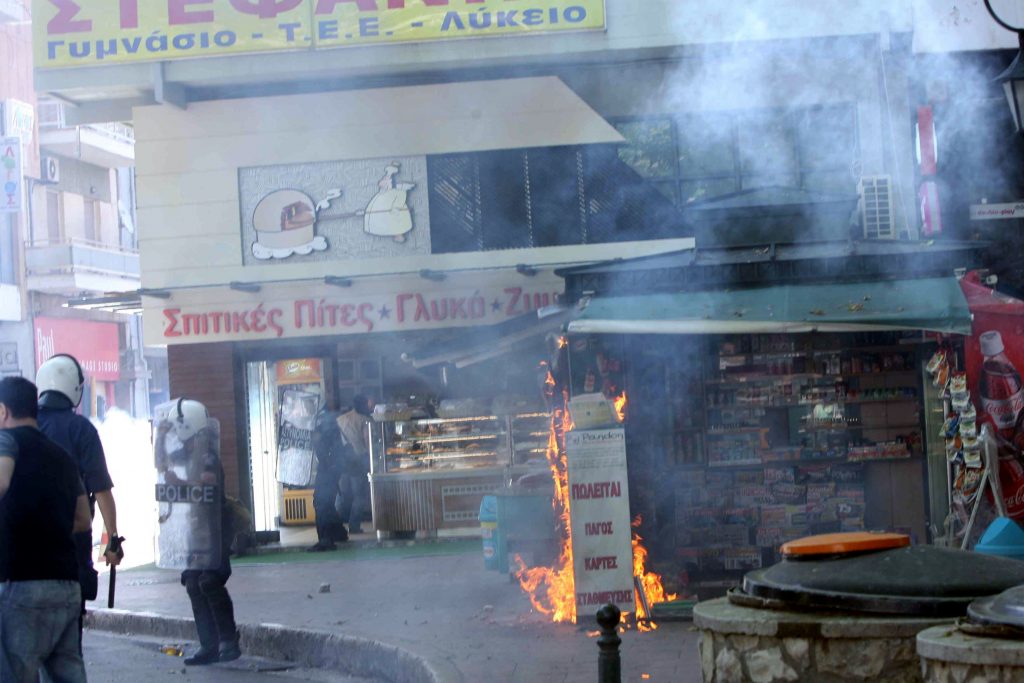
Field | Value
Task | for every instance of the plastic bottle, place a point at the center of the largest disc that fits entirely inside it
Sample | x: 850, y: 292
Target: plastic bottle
x: 1002, y: 395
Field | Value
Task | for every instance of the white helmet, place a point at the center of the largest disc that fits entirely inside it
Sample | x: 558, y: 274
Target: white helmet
x: 63, y: 375
x: 188, y: 418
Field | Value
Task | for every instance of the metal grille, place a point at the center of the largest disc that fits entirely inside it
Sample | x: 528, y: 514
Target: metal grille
x: 463, y: 514
x: 455, y: 204
x: 876, y: 207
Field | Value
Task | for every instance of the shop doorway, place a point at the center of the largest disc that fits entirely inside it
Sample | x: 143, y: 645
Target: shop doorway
x: 262, y: 445
x: 282, y: 400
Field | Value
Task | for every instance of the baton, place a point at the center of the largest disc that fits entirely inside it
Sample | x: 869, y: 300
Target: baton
x: 115, y: 547
x: 112, y: 587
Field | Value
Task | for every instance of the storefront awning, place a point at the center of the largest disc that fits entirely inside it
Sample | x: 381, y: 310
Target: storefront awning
x: 479, y: 344
x: 932, y: 304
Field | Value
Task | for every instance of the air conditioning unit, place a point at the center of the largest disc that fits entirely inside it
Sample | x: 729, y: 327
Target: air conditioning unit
x: 49, y: 172
x: 876, y: 208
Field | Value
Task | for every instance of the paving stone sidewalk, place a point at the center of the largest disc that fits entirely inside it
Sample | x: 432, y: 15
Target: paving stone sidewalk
x: 434, y: 600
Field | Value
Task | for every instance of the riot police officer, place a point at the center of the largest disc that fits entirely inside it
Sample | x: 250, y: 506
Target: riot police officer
x: 195, y: 523
x: 60, y: 383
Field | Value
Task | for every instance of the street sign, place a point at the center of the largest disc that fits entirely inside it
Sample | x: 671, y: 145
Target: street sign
x: 11, y: 177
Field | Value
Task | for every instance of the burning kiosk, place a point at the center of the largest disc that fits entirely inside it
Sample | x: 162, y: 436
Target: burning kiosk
x: 777, y: 388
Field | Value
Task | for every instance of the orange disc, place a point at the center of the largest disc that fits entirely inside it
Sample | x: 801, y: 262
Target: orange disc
x: 842, y: 544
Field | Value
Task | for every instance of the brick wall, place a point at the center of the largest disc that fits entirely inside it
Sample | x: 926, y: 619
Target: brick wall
x: 206, y: 372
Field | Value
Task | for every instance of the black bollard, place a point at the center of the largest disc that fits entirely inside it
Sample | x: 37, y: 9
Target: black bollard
x: 609, y: 666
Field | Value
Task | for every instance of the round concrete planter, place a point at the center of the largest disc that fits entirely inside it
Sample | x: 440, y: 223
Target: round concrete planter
x: 748, y: 645
x: 950, y: 656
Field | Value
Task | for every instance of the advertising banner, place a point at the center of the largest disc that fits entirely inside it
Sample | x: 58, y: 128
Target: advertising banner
x: 12, y: 177
x: 599, y: 513
x: 78, y: 33
x: 95, y: 345
x: 994, y: 357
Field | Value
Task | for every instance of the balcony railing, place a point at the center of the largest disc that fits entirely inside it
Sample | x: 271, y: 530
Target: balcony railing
x: 51, y: 116
x: 72, y: 259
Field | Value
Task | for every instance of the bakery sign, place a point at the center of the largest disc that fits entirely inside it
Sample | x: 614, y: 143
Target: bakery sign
x: 315, y: 315
x: 334, y: 211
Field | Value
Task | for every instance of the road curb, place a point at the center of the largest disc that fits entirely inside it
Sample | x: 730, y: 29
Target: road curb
x: 306, y: 647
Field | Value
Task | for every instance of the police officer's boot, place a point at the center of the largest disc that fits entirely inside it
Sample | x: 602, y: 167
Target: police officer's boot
x: 229, y: 650
x: 202, y: 656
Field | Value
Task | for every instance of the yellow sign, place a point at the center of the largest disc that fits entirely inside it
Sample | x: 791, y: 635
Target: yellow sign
x: 96, y: 32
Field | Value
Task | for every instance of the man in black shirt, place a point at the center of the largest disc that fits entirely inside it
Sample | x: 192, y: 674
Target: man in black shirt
x: 60, y: 382
x: 42, y: 503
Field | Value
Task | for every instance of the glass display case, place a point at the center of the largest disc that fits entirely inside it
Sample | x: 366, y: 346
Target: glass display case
x: 457, y: 443
x: 431, y: 473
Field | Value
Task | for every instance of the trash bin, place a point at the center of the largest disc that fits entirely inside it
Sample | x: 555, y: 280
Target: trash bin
x: 526, y: 526
x: 489, y: 530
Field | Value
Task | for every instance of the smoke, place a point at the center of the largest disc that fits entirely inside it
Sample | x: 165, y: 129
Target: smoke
x: 128, y: 446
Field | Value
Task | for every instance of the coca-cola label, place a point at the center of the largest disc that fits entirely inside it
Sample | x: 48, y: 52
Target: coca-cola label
x: 1004, y: 412
x: 1011, y: 479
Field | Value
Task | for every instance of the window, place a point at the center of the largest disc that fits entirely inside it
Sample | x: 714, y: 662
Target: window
x: 54, y: 218
x: 7, y: 244
x: 700, y: 156
x: 90, y: 221
x: 547, y: 197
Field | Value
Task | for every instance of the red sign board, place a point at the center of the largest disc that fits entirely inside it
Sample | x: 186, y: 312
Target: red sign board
x: 95, y: 345
x: 999, y: 319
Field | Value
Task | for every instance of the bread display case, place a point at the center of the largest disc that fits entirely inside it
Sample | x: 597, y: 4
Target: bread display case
x: 431, y: 473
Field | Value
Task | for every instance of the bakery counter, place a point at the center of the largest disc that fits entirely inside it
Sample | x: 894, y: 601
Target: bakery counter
x: 430, y: 499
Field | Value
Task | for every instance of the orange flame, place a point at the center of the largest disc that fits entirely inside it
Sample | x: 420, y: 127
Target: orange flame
x: 654, y: 589
x: 552, y: 589
x: 620, y: 406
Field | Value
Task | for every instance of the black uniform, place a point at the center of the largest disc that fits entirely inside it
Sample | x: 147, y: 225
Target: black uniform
x: 212, y: 607
x: 330, y: 448
x: 76, y: 435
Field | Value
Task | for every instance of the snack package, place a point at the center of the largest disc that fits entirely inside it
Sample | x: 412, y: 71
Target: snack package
x: 941, y: 378
x: 950, y: 427
x: 938, y: 358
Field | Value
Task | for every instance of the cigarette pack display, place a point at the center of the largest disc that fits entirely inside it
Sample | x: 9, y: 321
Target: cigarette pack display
x: 750, y: 478
x: 786, y: 493
x: 742, y: 559
x: 819, y: 491
x: 779, y: 474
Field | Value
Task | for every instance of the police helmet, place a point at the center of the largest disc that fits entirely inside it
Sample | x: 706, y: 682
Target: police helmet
x: 188, y: 418
x: 61, y: 375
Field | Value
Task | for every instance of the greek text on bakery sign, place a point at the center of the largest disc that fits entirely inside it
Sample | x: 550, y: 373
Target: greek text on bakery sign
x: 330, y: 316
x: 91, y: 32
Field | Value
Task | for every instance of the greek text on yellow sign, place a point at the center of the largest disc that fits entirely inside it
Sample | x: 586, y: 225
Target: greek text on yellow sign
x: 96, y: 32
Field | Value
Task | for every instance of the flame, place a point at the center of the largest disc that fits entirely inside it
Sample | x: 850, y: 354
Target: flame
x: 650, y: 582
x: 552, y: 590
x: 620, y: 406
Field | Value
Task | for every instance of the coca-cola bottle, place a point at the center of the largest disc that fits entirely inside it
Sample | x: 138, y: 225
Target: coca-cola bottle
x: 1002, y: 395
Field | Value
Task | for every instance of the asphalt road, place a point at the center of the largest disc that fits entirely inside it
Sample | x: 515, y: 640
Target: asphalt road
x: 110, y: 659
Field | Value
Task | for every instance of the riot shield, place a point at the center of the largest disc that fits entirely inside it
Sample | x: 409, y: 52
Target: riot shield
x: 188, y: 493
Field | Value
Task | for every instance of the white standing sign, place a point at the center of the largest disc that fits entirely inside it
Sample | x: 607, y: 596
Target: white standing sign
x: 599, y: 513
x: 11, y: 176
